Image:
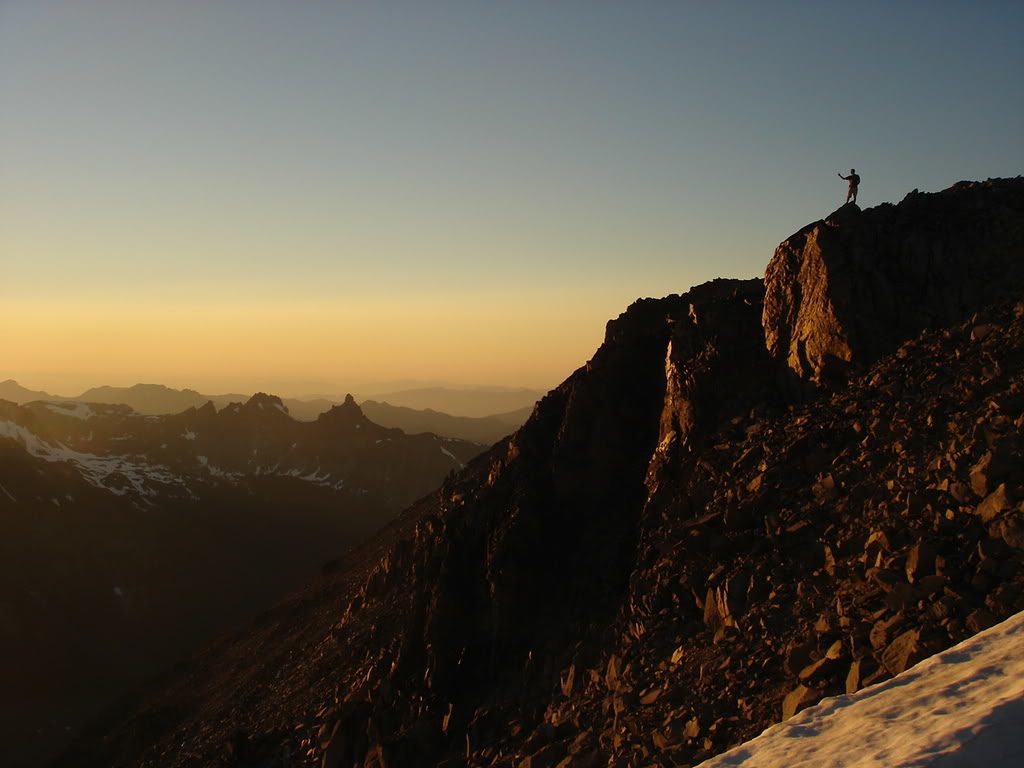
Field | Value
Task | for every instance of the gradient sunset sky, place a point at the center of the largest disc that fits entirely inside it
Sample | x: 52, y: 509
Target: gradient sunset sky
x: 311, y: 196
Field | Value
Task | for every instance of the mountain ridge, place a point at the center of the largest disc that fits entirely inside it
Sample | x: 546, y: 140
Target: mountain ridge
x: 158, y: 399
x: 738, y: 505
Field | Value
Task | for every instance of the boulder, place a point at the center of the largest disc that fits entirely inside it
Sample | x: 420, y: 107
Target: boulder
x: 994, y: 504
x: 902, y: 652
x: 797, y: 699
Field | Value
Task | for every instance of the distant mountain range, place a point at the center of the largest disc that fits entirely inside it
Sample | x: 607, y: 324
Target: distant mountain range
x: 13, y: 391
x: 477, y: 402
x: 142, y: 535
x: 485, y: 429
x: 485, y: 414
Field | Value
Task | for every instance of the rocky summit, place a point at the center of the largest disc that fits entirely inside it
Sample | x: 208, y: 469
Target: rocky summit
x: 755, y: 495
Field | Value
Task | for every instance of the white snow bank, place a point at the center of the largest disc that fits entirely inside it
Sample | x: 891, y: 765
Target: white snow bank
x: 962, y: 708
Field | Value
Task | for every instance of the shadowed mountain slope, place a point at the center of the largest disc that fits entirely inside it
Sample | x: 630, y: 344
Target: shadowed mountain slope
x: 130, y: 539
x: 694, y: 536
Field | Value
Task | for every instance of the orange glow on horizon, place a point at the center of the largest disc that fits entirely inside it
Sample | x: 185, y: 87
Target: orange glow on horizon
x: 483, y: 341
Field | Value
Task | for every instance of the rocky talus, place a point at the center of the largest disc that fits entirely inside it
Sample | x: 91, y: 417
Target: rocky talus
x: 693, y: 537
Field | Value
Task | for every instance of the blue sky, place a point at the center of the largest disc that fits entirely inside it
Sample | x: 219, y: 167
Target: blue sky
x: 486, y: 181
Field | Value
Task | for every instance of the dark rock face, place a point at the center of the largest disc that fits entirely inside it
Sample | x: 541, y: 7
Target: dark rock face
x: 841, y: 292
x: 716, y: 365
x: 672, y: 553
x: 716, y: 369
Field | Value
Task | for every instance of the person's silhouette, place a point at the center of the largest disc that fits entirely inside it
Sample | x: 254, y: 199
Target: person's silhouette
x: 854, y: 179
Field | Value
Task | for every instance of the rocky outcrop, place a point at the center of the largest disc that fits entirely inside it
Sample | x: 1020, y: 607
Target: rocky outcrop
x: 716, y: 369
x: 716, y: 365
x: 671, y: 554
x: 843, y: 291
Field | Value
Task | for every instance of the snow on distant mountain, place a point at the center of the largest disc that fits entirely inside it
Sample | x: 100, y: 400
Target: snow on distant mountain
x: 962, y: 708
x: 116, y: 474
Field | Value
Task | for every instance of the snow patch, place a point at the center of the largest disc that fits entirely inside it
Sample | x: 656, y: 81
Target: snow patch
x: 188, y: 434
x: 451, y: 456
x: 74, y: 410
x: 7, y: 494
x: 961, y: 708
x: 316, y: 477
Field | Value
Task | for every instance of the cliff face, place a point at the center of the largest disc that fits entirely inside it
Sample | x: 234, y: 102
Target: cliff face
x: 844, y: 291
x: 670, y: 554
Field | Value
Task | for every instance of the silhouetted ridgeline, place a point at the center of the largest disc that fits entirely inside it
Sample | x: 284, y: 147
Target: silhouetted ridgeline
x: 754, y: 495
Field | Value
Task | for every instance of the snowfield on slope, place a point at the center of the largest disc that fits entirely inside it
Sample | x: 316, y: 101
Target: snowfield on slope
x: 97, y: 470
x: 962, y: 708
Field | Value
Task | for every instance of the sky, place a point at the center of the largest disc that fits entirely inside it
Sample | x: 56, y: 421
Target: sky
x: 309, y: 196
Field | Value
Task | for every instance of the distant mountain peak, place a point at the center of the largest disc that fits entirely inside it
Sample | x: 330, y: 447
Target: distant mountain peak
x: 263, y: 402
x: 13, y: 391
x: 347, y: 414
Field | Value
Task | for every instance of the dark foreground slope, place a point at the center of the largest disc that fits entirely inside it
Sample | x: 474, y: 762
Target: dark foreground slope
x: 688, y: 540
x: 129, y: 540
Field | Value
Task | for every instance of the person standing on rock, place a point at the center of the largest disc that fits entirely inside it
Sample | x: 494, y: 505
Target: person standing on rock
x: 854, y: 179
